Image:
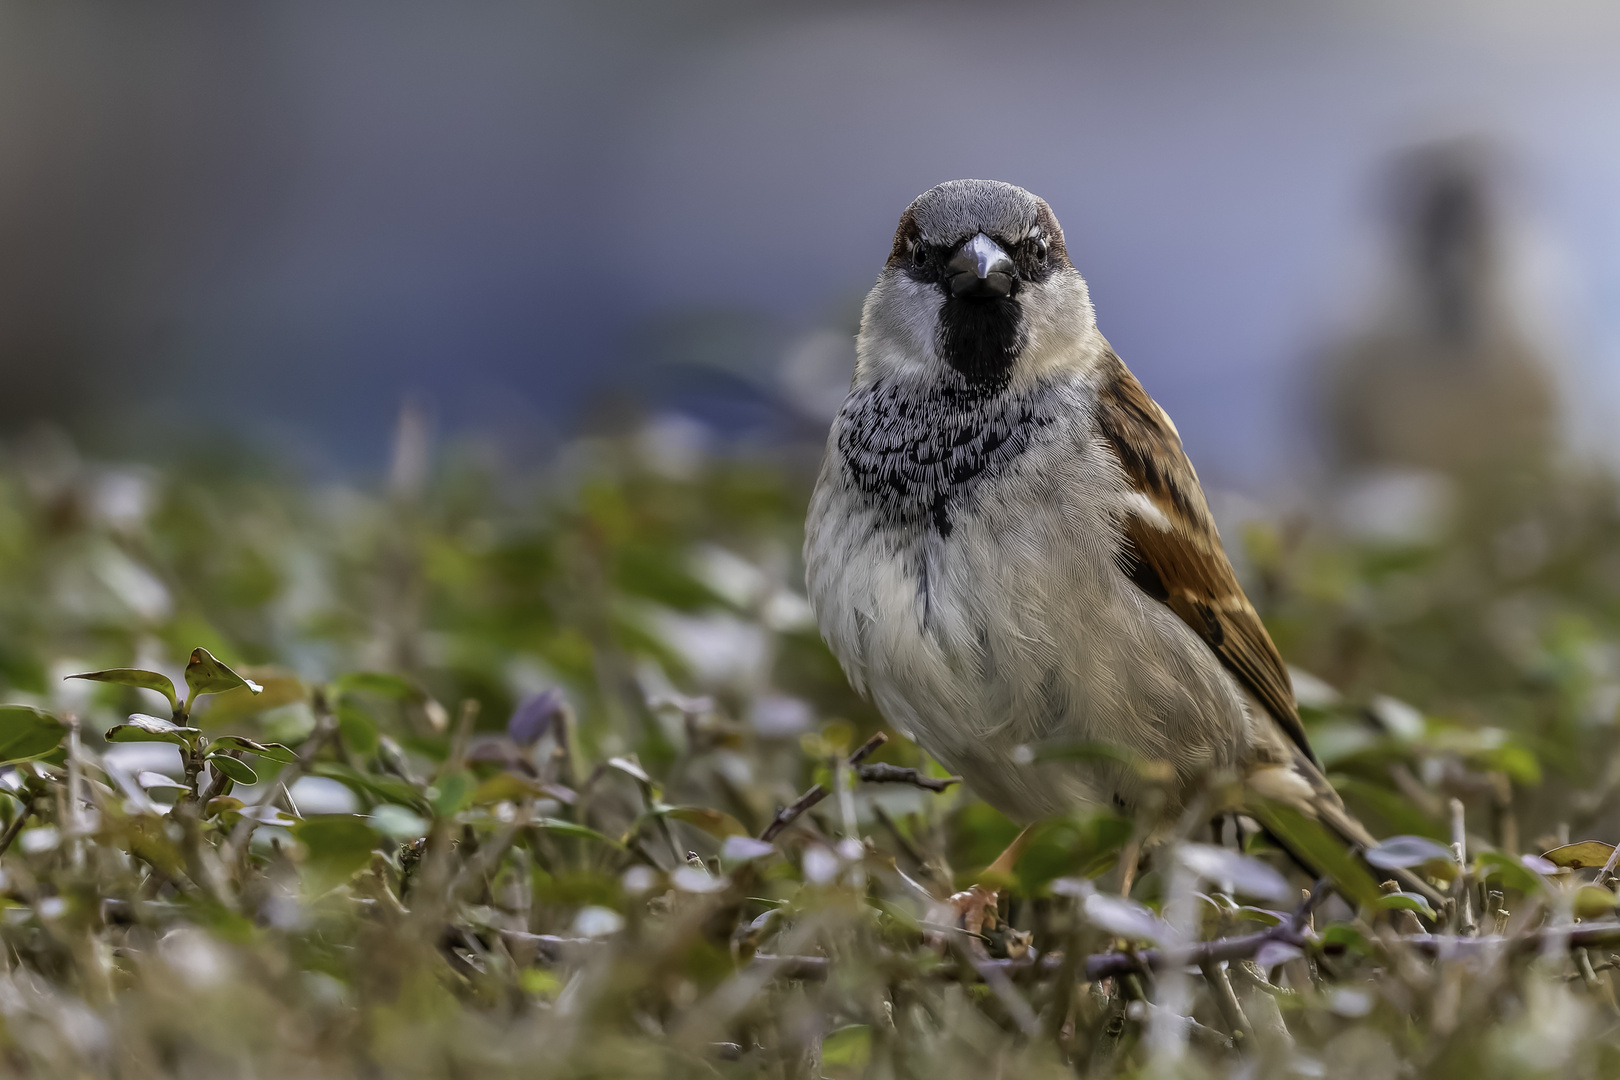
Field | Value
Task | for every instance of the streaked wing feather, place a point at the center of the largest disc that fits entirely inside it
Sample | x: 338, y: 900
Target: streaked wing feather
x: 1174, y: 552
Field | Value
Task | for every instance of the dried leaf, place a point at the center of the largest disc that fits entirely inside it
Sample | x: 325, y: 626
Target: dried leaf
x: 1580, y: 855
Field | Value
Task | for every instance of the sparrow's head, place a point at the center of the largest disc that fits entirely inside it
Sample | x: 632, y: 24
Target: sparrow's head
x: 978, y: 283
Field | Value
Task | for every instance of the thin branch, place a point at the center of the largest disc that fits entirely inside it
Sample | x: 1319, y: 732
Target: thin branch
x: 1226, y: 1001
x: 325, y: 728
x: 789, y: 814
x: 1462, y: 887
x: 17, y: 824
x: 1606, y: 875
x: 866, y: 748
x: 553, y: 949
x: 883, y: 773
x: 1320, y: 890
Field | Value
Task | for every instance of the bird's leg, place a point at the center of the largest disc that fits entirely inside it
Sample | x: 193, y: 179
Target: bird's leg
x: 1130, y: 861
x: 975, y: 906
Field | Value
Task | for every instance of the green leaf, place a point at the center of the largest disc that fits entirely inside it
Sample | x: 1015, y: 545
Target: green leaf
x: 380, y: 683
x: 630, y: 768
x: 128, y: 676
x: 156, y: 781
x: 1261, y: 915
x: 143, y: 728
x: 359, y: 731
x: 223, y: 804
x: 27, y: 732
x: 338, y: 844
x: 390, y: 789
x: 848, y: 1048
x: 504, y: 787
x: 714, y: 822
x: 275, y: 689
x: 569, y: 828
x: 397, y: 823
x: 1312, y: 844
x: 1519, y: 763
x: 1409, y: 901
x: 274, y: 751
x: 1399, y: 815
x: 205, y: 675
x: 451, y: 792
x: 240, y: 771
x: 269, y: 815
x: 1594, y: 902
x: 1513, y: 873
x: 1081, y: 844
x: 1346, y: 937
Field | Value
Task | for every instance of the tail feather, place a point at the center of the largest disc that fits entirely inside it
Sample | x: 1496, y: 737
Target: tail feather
x: 1302, y: 785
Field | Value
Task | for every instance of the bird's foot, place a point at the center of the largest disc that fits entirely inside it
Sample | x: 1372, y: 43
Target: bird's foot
x: 975, y: 909
x: 971, y: 912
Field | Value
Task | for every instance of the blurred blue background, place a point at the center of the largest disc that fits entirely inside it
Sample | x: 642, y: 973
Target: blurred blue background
x: 282, y: 220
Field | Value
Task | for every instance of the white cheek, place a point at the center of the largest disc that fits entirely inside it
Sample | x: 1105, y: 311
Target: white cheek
x: 899, y: 325
x: 1060, y: 325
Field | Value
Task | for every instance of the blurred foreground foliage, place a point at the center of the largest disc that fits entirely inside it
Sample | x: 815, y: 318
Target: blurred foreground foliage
x: 469, y: 777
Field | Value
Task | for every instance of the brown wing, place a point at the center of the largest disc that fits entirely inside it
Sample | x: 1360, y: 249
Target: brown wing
x: 1174, y: 553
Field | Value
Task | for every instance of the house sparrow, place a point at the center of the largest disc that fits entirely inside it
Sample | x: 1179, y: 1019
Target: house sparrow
x: 1007, y: 546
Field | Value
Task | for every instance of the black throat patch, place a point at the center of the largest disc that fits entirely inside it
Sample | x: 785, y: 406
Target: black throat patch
x: 919, y: 451
x: 981, y: 338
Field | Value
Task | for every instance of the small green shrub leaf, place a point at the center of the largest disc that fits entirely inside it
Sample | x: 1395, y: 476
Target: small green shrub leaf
x: 143, y: 728
x: 27, y: 732
x: 1593, y: 902
x: 274, y: 751
x: 451, y: 792
x: 504, y: 787
x: 569, y: 828
x: 1310, y: 841
x: 338, y: 845
x: 156, y: 781
x: 206, y: 675
x: 1408, y: 901
x: 372, y: 786
x: 269, y: 815
x: 381, y: 683
x: 359, y: 731
x: 714, y: 822
x: 240, y: 771
x: 630, y: 768
x: 848, y: 1048
x: 1509, y: 871
x: 128, y: 676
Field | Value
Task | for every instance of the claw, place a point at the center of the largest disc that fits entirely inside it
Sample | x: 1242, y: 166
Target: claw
x: 971, y: 911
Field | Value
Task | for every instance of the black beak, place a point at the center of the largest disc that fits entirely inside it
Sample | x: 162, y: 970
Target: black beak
x: 980, y: 268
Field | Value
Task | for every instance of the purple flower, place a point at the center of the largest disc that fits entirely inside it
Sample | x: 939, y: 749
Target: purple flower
x: 535, y: 716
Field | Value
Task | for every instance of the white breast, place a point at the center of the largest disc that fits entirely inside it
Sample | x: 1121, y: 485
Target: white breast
x: 1018, y: 629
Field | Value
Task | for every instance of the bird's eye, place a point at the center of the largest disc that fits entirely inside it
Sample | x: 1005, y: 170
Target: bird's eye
x: 1040, y: 249
x: 919, y: 253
